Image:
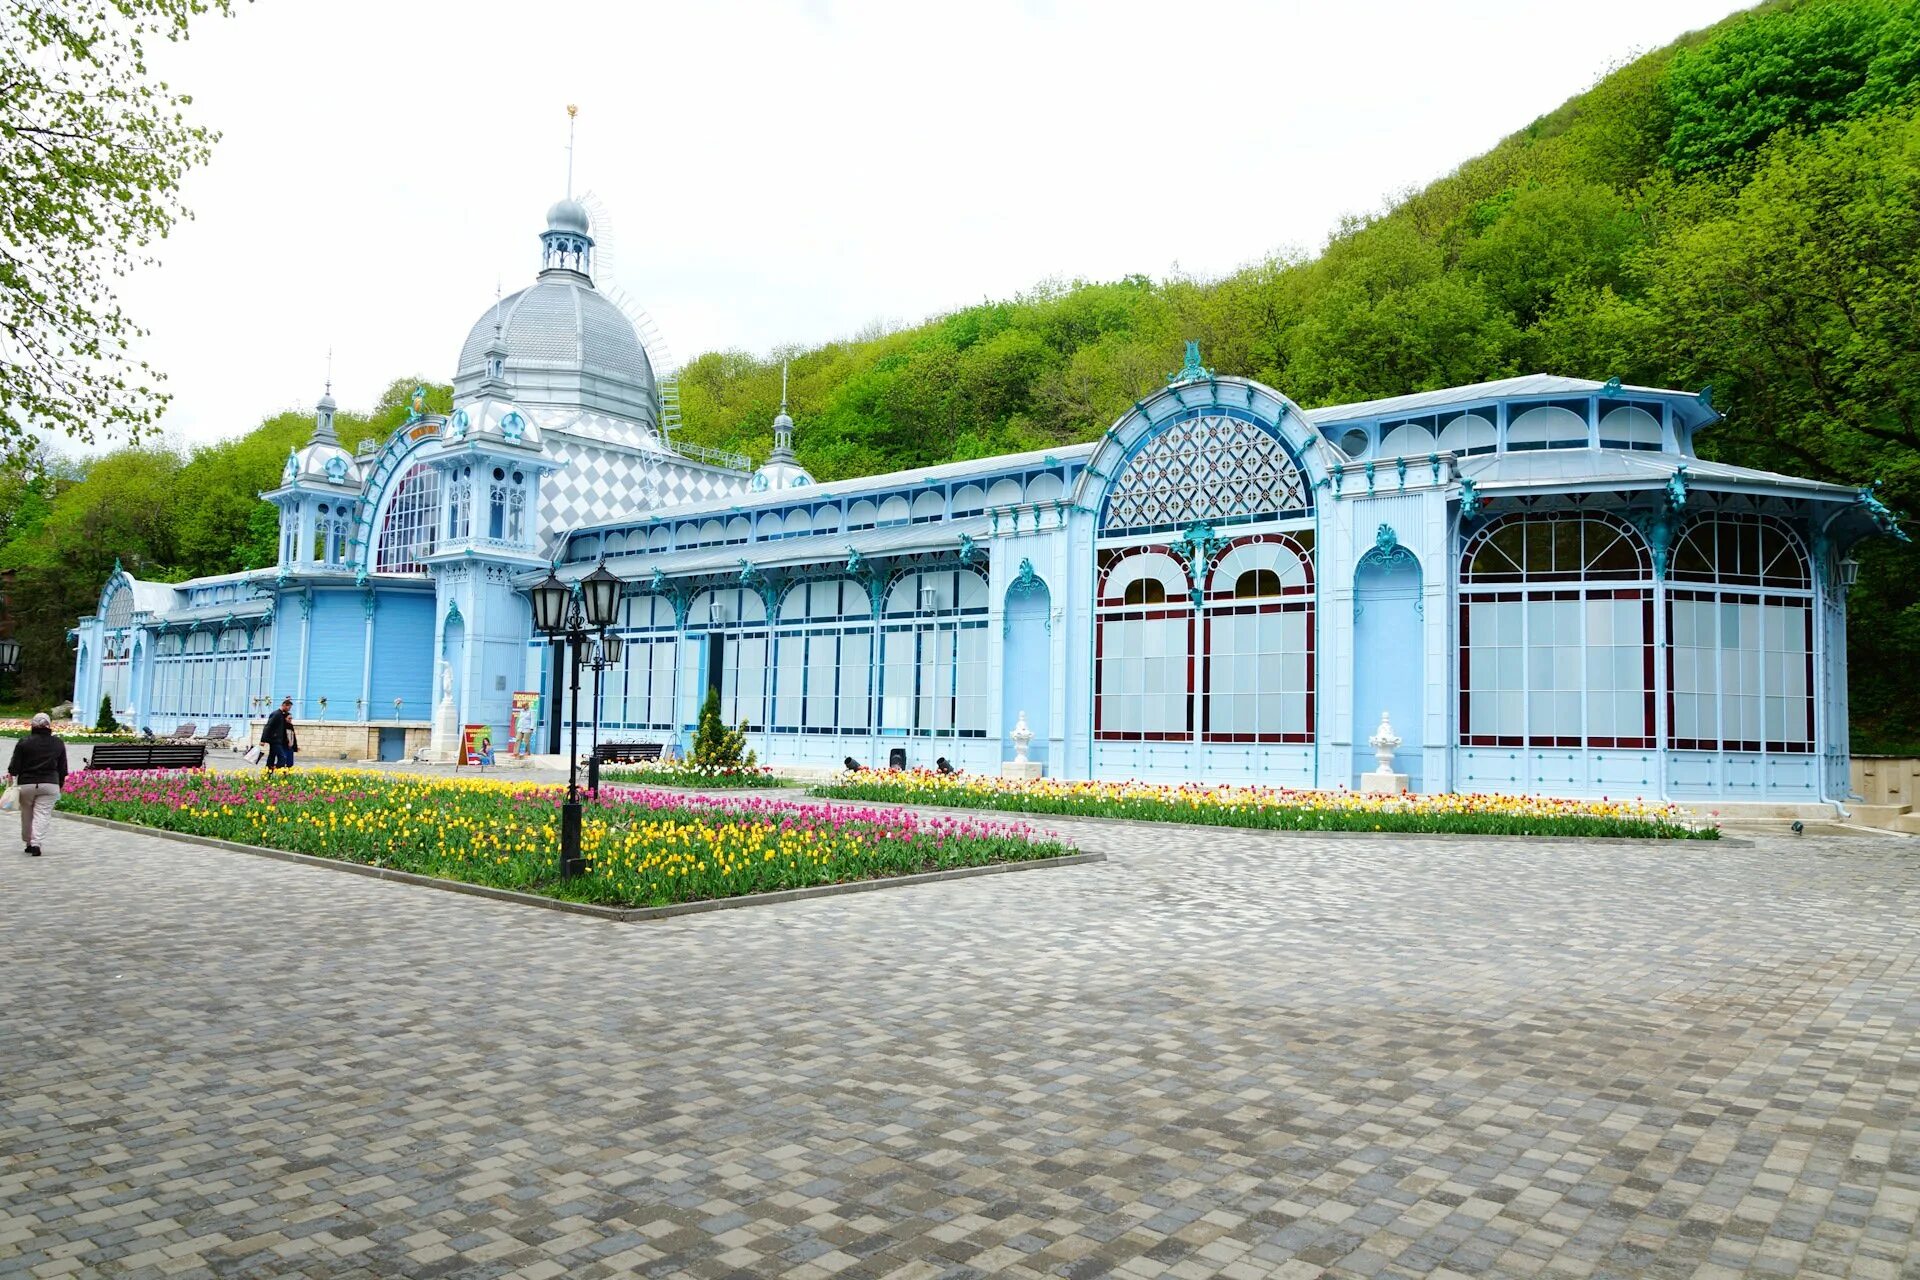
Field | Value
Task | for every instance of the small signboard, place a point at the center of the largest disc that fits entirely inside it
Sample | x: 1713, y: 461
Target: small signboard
x: 523, y: 721
x: 476, y: 744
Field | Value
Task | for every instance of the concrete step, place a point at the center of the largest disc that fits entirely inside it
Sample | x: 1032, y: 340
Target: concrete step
x: 1908, y: 823
x: 1878, y: 815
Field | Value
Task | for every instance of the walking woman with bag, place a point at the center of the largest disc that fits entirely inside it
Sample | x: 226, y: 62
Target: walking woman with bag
x: 38, y: 771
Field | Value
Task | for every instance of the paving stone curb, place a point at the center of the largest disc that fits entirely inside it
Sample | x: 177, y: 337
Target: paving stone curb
x: 616, y: 915
x: 1195, y: 827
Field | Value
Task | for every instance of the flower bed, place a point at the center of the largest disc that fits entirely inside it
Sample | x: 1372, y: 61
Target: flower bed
x: 678, y: 773
x: 642, y: 848
x: 67, y: 730
x: 1272, y: 807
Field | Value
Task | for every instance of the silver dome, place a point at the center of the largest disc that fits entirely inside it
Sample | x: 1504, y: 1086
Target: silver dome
x: 568, y: 215
x: 567, y: 347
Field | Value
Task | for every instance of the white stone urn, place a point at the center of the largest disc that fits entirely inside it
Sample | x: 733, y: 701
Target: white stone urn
x: 1384, y: 743
x: 1022, y: 739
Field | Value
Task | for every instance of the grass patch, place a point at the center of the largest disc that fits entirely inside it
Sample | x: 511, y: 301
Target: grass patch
x: 643, y: 848
x: 1273, y: 808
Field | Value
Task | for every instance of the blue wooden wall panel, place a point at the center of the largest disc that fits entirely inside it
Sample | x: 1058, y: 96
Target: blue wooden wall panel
x: 335, y: 656
x: 403, y: 657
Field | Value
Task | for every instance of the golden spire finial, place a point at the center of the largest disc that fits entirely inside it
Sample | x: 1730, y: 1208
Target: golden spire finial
x: 572, y: 111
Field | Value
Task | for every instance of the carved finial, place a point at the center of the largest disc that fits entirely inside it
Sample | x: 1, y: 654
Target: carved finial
x: 1192, y: 370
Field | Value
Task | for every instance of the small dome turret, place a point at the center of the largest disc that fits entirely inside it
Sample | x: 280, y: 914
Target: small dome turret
x: 782, y: 469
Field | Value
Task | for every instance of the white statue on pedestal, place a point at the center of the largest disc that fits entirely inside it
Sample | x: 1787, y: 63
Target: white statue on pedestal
x: 1384, y: 743
x: 444, y: 742
x: 1020, y: 766
x: 1383, y: 780
x: 1022, y: 739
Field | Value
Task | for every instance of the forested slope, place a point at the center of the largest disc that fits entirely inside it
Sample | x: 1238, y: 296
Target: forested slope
x: 1741, y: 208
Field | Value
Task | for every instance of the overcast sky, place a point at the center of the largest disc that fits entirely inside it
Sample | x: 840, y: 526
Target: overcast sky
x: 789, y: 173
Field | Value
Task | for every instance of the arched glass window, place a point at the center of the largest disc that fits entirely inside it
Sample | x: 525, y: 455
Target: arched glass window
x: 1143, y: 678
x: 823, y: 658
x: 517, y: 509
x: 1740, y: 638
x: 460, y: 505
x: 1547, y: 426
x: 497, y: 506
x: 1256, y: 634
x: 1556, y: 633
x: 407, y: 531
x: 933, y: 654
x: 1256, y: 583
x: 1236, y: 668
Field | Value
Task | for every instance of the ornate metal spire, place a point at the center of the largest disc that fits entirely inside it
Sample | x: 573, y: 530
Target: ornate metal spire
x: 783, y: 424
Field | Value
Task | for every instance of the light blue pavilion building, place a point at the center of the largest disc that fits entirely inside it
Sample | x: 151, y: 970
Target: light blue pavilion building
x: 1536, y: 579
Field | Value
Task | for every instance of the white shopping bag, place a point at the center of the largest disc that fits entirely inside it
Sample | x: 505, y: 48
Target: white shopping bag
x: 10, y: 800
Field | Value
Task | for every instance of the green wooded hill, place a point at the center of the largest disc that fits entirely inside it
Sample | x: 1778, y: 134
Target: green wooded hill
x: 1741, y: 208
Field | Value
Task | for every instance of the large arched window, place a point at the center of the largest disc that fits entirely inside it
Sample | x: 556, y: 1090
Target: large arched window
x: 1257, y: 634
x: 1740, y: 633
x: 823, y: 658
x: 1237, y: 669
x: 1143, y: 646
x: 933, y: 654
x: 1556, y: 634
x: 407, y: 531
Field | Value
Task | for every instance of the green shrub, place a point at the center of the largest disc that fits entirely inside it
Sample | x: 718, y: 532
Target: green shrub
x: 106, y: 723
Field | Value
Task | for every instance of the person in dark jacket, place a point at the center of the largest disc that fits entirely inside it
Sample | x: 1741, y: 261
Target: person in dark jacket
x: 280, y: 739
x: 39, y: 769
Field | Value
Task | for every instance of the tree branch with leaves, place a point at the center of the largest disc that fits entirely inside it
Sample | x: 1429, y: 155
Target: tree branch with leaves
x: 92, y: 152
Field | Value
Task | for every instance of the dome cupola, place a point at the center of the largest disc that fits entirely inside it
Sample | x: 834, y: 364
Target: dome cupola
x: 782, y: 469
x: 567, y: 243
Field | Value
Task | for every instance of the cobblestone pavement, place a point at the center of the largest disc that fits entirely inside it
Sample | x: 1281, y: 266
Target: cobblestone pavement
x: 1218, y: 1054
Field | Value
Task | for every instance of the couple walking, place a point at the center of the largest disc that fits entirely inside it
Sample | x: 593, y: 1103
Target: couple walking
x: 279, y: 737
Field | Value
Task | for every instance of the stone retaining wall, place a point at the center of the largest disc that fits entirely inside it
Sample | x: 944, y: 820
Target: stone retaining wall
x: 1886, y: 779
x: 346, y: 741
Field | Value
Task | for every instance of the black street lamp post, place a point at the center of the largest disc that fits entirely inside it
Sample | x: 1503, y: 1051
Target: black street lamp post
x: 606, y: 656
x: 9, y: 656
x: 566, y: 613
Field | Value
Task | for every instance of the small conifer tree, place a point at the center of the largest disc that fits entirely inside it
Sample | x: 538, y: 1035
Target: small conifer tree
x: 714, y: 745
x: 106, y: 723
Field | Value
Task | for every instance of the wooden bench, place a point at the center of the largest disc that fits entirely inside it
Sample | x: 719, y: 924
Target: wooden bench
x: 158, y: 754
x: 626, y: 752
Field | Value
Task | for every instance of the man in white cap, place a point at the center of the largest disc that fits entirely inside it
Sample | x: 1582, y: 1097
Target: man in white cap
x: 39, y: 768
